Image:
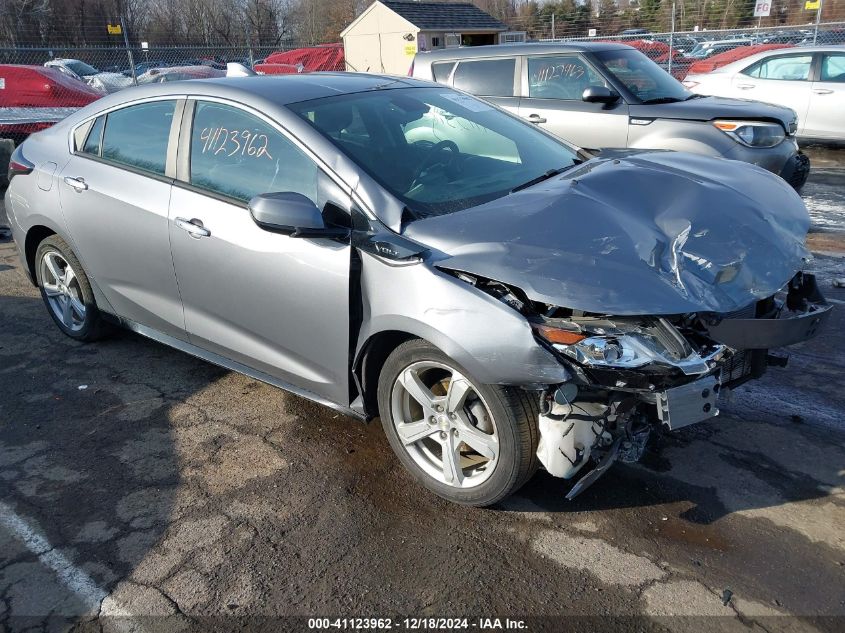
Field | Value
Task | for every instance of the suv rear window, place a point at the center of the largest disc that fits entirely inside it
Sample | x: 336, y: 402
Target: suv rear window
x: 486, y: 77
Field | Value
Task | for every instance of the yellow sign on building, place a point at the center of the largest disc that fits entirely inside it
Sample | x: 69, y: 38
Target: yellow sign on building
x: 812, y: 5
x: 114, y: 29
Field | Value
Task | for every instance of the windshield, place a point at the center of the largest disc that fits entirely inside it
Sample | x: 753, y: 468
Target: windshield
x: 81, y: 68
x: 435, y: 149
x: 642, y: 77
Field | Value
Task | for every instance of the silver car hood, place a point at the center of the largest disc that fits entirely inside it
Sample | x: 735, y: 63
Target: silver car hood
x: 652, y: 233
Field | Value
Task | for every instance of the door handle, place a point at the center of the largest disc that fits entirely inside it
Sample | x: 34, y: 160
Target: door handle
x: 193, y: 226
x: 77, y: 183
x: 822, y: 91
x: 745, y: 86
x: 536, y: 118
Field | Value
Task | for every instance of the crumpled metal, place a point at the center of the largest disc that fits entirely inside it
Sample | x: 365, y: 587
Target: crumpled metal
x: 650, y: 233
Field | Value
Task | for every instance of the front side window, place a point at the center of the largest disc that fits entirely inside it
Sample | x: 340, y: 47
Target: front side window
x: 783, y: 68
x: 137, y: 136
x: 642, y: 77
x: 486, y: 77
x: 435, y: 149
x: 560, y: 77
x: 238, y: 155
x: 833, y: 67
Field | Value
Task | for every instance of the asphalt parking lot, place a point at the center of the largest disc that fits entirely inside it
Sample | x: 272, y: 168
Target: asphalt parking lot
x: 160, y: 492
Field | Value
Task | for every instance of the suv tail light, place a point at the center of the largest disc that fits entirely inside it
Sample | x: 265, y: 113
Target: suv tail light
x: 411, y: 69
x: 18, y: 164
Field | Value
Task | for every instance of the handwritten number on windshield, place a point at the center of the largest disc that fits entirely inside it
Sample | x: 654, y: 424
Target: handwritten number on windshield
x: 221, y: 140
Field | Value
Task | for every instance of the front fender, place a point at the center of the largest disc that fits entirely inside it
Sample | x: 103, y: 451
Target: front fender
x: 488, y: 338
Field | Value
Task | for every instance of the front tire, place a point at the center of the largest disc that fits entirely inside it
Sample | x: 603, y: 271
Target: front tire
x: 67, y: 292
x: 468, y: 442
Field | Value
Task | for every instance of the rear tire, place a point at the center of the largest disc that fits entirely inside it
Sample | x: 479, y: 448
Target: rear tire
x: 67, y: 292
x: 491, y: 430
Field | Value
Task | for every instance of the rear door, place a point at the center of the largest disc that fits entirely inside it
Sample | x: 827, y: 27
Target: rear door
x: 779, y: 79
x: 272, y: 302
x: 552, y: 86
x: 826, y: 114
x: 115, y: 193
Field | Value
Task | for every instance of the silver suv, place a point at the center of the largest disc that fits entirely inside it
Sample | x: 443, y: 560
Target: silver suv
x: 604, y: 95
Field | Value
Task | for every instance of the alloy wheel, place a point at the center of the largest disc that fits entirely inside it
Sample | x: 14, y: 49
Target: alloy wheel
x: 61, y: 287
x: 444, y: 424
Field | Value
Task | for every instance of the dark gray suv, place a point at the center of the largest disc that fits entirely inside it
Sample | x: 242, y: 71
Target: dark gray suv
x: 605, y: 95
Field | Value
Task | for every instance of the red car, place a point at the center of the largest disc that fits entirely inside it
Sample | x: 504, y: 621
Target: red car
x: 35, y: 97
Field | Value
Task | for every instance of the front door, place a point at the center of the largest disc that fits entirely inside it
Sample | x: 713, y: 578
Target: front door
x: 826, y: 115
x: 115, y: 195
x: 552, y: 89
x: 275, y: 303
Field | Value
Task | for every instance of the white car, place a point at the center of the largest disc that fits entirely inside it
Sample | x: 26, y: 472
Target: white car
x: 104, y: 82
x: 810, y: 80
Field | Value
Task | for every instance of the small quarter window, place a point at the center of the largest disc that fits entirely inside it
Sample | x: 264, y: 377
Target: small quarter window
x: 441, y: 71
x: 95, y: 137
x: 137, y: 136
x: 240, y: 156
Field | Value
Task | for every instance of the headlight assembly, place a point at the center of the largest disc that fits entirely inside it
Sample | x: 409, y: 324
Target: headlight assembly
x: 625, y: 350
x: 752, y: 133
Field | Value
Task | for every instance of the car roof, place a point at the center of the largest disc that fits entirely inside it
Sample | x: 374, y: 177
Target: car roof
x: 496, y: 50
x: 276, y: 89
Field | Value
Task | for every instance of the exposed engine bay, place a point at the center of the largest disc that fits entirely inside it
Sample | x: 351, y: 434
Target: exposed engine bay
x: 632, y: 376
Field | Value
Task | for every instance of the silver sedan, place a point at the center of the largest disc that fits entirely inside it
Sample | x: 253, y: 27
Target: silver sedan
x: 394, y: 248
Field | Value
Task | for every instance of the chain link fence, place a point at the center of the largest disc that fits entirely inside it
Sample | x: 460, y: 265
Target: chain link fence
x: 41, y: 85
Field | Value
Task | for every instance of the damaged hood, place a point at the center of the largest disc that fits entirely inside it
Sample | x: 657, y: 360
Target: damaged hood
x: 652, y: 233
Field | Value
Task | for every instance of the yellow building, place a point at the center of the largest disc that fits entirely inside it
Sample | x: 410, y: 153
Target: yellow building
x: 387, y: 35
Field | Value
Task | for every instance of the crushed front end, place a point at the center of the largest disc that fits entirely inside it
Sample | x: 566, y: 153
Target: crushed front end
x: 632, y: 376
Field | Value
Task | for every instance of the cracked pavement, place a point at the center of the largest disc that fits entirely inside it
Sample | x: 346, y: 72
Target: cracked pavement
x: 159, y: 491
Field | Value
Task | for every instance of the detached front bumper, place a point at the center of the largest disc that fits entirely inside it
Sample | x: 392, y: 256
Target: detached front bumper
x: 802, y: 316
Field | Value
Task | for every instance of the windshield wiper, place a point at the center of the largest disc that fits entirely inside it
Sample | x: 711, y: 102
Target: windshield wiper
x: 545, y: 176
x: 662, y: 100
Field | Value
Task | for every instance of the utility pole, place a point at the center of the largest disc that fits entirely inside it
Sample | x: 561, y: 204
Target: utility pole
x: 553, y: 26
x: 818, y: 19
x: 671, y: 37
x: 129, y: 51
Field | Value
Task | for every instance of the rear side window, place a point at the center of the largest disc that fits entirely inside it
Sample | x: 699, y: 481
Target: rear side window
x: 833, y: 67
x: 137, y: 136
x: 486, y: 77
x: 238, y: 155
x: 441, y: 71
x: 784, y: 68
x: 95, y: 137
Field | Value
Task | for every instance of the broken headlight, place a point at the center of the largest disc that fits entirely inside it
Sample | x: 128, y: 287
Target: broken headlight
x: 658, y: 343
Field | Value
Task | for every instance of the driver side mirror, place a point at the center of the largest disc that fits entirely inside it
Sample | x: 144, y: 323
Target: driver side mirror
x: 292, y: 214
x: 600, y: 94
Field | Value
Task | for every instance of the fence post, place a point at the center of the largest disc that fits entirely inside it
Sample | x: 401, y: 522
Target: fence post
x: 128, y: 52
x: 249, y: 43
x: 818, y: 19
x: 672, y: 37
